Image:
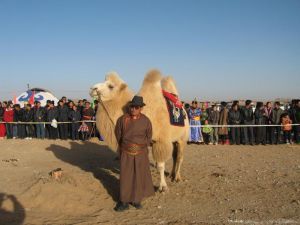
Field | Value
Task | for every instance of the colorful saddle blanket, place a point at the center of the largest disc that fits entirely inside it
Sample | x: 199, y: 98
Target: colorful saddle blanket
x: 175, y: 108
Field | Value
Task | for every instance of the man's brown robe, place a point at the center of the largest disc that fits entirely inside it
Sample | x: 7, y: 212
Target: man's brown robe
x: 135, y: 177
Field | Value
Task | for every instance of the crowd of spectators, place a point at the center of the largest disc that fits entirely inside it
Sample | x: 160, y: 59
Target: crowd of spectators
x: 51, y: 121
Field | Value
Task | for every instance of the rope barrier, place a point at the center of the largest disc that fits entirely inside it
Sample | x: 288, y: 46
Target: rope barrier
x: 212, y: 126
x: 68, y: 122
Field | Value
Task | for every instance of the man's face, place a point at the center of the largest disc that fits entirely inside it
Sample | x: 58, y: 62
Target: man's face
x: 135, y: 110
x: 87, y: 105
x: 38, y: 105
x: 194, y: 105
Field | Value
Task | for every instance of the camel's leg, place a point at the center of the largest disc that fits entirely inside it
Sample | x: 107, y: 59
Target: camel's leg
x: 163, y: 184
x: 174, y: 157
x: 179, y: 158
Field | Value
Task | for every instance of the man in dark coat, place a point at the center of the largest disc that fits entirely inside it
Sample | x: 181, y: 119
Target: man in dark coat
x: 28, y: 117
x: 134, y: 135
x: 51, y: 116
x: 248, y: 119
x: 260, y: 119
x: 234, y: 118
x: 276, y: 119
x: 74, y: 116
x: 19, y: 117
x: 39, y: 116
x: 63, y: 116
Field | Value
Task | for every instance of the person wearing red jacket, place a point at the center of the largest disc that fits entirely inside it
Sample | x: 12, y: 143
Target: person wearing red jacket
x: 8, y: 116
x: 2, y: 125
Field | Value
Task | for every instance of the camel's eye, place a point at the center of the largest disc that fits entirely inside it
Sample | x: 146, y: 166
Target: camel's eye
x: 110, y: 87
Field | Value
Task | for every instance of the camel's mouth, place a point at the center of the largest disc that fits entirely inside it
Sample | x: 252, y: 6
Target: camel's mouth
x: 94, y: 92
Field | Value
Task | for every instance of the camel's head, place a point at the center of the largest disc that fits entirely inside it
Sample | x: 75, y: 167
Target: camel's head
x: 110, y: 89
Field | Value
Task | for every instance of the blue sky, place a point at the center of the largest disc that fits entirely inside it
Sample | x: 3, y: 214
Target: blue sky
x: 215, y: 49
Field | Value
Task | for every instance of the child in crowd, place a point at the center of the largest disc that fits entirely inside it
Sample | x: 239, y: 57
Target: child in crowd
x: 207, y: 131
x: 286, y: 127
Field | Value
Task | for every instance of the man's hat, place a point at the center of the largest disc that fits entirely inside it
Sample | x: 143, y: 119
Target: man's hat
x: 137, y: 101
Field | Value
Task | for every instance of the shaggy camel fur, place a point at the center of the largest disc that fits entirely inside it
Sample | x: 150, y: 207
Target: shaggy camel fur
x: 168, y: 141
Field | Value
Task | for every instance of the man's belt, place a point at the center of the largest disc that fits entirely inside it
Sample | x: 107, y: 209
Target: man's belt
x: 133, y: 149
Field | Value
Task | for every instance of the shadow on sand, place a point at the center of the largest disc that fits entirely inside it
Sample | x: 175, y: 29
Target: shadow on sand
x: 14, y: 217
x: 95, y: 158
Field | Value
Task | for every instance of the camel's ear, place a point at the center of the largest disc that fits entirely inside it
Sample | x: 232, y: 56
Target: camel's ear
x: 123, y: 86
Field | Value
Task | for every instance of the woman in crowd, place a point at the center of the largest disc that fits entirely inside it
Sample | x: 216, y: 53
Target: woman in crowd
x: 195, y: 116
x: 2, y: 125
x: 8, y: 117
x: 269, y: 121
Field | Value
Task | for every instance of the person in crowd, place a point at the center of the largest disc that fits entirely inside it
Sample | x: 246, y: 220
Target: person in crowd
x: 234, y: 118
x: 88, y: 114
x: 8, y: 117
x: 247, y: 117
x: 287, y: 128
x: 47, y: 126
x: 223, y: 121
x: 39, y: 115
x: 62, y: 116
x: 52, y: 115
x: 207, y: 132
x: 64, y: 100
x: 187, y: 109
x: 80, y: 106
x: 70, y: 109
x: 269, y: 130
x: 260, y: 119
x: 75, y: 116
x: 19, y: 118
x: 204, y: 115
x: 28, y: 117
x: 295, y: 117
x: 2, y: 125
x: 276, y: 119
x: 213, y: 119
x: 195, y: 120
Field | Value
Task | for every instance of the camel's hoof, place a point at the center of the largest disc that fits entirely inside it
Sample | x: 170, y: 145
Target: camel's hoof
x: 177, y: 179
x: 163, y: 189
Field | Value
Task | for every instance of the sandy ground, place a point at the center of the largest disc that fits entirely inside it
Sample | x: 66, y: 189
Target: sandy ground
x: 223, y: 185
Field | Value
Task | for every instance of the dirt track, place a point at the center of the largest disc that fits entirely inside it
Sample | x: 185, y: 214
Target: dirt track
x: 223, y: 185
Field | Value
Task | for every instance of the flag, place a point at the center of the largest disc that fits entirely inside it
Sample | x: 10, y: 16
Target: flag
x: 15, y: 99
x: 31, y: 99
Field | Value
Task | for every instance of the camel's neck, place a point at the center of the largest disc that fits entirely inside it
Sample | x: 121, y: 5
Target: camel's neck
x: 115, y: 108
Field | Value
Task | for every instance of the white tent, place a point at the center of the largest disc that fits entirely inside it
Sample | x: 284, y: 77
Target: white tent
x: 41, y: 95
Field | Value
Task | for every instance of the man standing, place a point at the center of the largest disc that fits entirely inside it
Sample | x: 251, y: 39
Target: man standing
x: 213, y: 119
x: 276, y: 119
x: 134, y: 134
x: 248, y: 119
x: 63, y: 112
x: 39, y: 116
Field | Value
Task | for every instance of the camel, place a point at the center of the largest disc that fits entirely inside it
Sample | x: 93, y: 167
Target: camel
x: 168, y: 140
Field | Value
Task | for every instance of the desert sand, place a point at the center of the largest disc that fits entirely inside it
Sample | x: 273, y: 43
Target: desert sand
x: 222, y: 185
